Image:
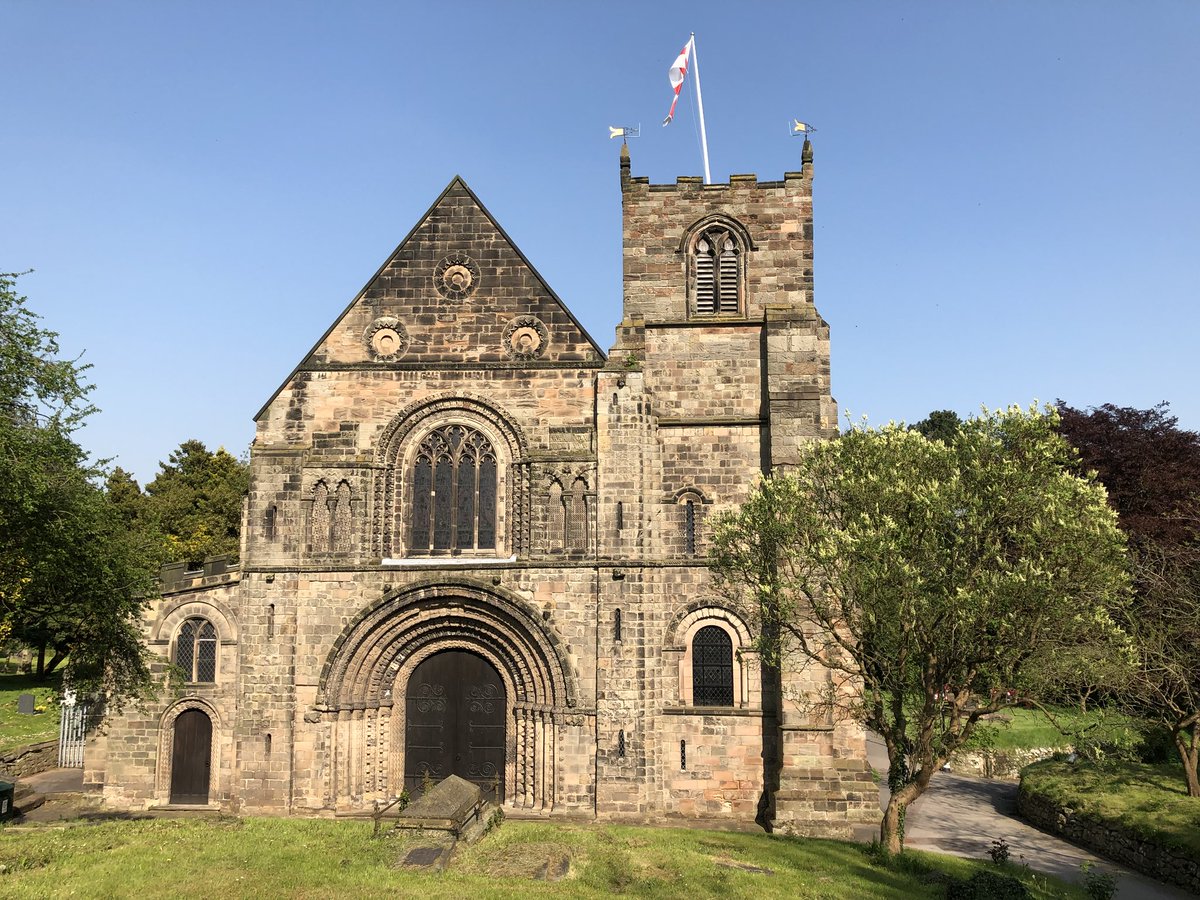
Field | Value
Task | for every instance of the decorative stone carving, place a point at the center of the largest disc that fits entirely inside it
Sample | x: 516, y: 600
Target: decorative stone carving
x: 526, y: 337
x: 386, y: 339
x: 456, y: 276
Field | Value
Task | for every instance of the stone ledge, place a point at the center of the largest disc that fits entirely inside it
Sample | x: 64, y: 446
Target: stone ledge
x: 711, y: 711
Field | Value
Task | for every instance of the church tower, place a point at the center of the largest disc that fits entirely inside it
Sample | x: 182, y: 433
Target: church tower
x: 720, y: 372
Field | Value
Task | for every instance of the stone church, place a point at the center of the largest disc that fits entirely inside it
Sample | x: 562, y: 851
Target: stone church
x: 474, y: 542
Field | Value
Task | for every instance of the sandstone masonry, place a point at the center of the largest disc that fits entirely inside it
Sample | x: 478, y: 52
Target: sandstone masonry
x: 456, y: 479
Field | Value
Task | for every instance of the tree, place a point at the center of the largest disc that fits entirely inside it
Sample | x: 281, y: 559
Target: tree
x: 72, y: 579
x: 941, y: 424
x: 195, y: 500
x: 1151, y: 468
x: 931, y: 579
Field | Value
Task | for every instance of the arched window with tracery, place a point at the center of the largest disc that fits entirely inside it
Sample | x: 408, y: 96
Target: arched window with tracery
x: 712, y: 667
x: 454, y: 481
x: 196, y: 650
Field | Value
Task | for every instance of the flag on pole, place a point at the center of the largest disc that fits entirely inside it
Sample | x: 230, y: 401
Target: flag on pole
x: 676, y: 74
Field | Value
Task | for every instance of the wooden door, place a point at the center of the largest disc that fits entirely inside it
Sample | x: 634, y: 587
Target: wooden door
x: 454, y: 719
x: 191, y: 757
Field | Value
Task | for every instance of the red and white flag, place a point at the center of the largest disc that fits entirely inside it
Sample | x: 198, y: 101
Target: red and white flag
x: 676, y: 74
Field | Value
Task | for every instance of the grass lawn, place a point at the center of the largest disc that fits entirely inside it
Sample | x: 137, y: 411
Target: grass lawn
x: 1027, y: 729
x: 1147, y: 800
x: 311, y: 858
x: 17, y: 730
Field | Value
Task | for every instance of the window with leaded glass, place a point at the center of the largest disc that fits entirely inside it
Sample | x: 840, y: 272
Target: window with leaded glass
x: 454, y: 482
x: 712, y: 667
x: 716, y: 273
x: 196, y: 650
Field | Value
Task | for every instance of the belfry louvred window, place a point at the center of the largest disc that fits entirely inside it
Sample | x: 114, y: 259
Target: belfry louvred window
x: 454, y: 480
x: 717, y: 274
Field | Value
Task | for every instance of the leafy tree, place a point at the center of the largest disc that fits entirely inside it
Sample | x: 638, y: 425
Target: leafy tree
x: 941, y: 424
x: 935, y: 582
x: 1151, y: 468
x: 73, y: 581
x: 195, y: 500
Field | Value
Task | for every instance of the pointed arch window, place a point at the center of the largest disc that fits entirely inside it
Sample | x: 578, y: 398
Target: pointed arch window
x: 196, y: 650
x: 717, y: 272
x: 454, y: 479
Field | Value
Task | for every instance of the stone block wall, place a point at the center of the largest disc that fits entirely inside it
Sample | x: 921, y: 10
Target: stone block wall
x: 29, y: 760
x: 1166, y: 864
x: 130, y: 755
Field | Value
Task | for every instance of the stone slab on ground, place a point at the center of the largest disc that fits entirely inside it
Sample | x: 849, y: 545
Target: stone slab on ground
x: 428, y: 857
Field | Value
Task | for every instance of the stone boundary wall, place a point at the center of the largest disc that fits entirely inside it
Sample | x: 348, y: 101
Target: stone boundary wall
x: 1171, y: 866
x: 1002, y: 764
x: 29, y: 760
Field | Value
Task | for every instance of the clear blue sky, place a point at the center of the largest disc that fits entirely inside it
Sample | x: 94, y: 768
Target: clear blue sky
x: 1007, y: 194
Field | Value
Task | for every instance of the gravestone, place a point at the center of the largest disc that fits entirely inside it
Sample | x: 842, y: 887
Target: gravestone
x: 25, y: 704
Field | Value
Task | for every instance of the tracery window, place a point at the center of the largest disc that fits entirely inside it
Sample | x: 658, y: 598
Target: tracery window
x: 717, y: 260
x: 454, y: 479
x: 712, y: 667
x: 196, y: 650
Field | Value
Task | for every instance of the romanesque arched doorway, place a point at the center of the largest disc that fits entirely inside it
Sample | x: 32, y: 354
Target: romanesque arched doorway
x: 378, y: 662
x: 191, y: 757
x: 455, y: 722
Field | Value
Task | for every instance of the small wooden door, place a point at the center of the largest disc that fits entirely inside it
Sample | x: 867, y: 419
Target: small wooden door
x: 454, y: 722
x: 191, y: 758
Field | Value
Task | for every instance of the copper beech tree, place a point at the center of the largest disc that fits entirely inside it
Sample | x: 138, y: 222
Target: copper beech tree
x: 931, y: 579
x: 1151, y: 468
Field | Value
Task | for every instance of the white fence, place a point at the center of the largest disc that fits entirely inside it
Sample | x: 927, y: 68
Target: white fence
x: 71, y: 735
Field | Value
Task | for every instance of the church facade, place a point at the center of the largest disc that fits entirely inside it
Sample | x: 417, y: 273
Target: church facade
x: 474, y: 542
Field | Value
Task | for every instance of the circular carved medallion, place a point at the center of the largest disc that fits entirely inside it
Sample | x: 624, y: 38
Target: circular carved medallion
x: 526, y: 337
x: 386, y: 339
x: 457, y: 276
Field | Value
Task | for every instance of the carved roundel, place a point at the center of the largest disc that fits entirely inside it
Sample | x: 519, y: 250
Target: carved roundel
x: 457, y: 276
x: 386, y: 338
x: 526, y: 337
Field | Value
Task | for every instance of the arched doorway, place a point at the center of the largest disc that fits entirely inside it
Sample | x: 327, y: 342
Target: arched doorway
x: 191, y: 757
x: 454, y: 722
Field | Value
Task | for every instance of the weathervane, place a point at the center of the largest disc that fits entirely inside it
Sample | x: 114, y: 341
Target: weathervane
x: 624, y: 131
x: 795, y: 127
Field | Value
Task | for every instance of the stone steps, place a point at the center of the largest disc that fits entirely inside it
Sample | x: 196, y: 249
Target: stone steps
x: 26, y: 799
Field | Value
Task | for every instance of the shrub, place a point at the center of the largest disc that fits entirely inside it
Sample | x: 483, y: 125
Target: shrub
x: 987, y: 885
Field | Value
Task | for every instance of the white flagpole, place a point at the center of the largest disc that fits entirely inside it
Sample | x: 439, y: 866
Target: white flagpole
x: 700, y: 102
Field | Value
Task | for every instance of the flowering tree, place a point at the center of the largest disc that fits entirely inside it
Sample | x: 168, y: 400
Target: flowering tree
x: 931, y: 578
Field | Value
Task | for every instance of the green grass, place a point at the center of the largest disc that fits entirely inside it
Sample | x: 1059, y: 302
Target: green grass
x: 1150, y: 801
x: 17, y: 730
x: 309, y: 858
x: 1027, y: 729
